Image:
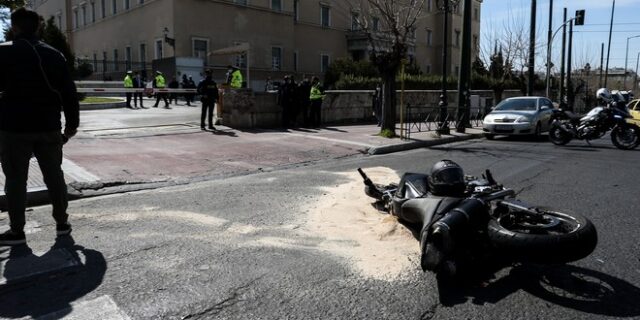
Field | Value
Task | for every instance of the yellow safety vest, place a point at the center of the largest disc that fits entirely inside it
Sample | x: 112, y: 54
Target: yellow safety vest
x: 160, y: 81
x: 128, y: 82
x: 236, y: 79
x: 316, y: 94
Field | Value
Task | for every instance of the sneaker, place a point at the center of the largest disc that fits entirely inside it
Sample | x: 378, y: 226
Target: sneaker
x: 12, y: 238
x: 63, y: 229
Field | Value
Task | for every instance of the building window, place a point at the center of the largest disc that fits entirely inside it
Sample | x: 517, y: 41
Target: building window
x: 83, y: 8
x: 457, y: 38
x: 429, y: 5
x: 276, y: 58
x: 428, y: 69
x: 476, y: 14
x: 103, y: 6
x: 355, y: 22
x: 141, y: 1
x: 376, y: 24
x: 93, y: 12
x: 295, y: 61
x: 143, y: 56
x: 429, y: 38
x: 114, y: 6
x: 159, y: 52
x: 241, y: 2
x: 324, y: 63
x: 126, y: 4
x: 325, y: 16
x: 200, y: 48
x: 296, y: 10
x: 115, y: 59
x: 457, y: 71
x: 276, y: 5
x: 127, y: 57
x: 75, y: 18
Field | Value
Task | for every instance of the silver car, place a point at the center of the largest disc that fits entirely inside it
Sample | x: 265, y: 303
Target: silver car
x: 519, y: 116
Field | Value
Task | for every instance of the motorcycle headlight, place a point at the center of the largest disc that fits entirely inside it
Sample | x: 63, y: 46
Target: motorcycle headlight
x: 522, y: 119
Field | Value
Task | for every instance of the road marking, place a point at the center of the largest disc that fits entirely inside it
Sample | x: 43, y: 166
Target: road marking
x: 77, y: 172
x: 13, y: 270
x: 103, y: 308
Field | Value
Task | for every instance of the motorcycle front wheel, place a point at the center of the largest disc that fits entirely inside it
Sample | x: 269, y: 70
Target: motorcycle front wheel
x: 548, y: 237
x: 625, y: 137
x: 558, y: 136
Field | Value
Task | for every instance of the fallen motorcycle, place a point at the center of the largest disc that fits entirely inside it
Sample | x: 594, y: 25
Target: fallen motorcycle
x: 466, y: 217
x: 566, y: 126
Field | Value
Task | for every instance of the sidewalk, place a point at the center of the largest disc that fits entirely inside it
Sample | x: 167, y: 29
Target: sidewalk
x: 126, y: 150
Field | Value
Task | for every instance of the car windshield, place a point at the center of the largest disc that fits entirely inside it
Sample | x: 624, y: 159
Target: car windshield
x: 517, y: 105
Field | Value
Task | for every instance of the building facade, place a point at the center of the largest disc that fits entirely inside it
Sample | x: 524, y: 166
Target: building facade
x: 299, y: 37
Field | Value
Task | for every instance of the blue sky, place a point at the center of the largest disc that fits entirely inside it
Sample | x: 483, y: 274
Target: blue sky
x: 587, y: 38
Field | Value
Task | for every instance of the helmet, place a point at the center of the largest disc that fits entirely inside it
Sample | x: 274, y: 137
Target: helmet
x: 603, y: 94
x: 446, y: 179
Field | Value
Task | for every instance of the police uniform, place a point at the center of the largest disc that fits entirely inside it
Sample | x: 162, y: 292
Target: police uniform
x: 209, y: 91
x: 160, y: 83
x: 128, y: 84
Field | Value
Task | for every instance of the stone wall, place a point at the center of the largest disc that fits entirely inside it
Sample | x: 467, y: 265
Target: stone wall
x: 247, y: 109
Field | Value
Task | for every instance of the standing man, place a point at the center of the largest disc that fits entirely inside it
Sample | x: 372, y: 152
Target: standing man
x: 128, y: 84
x: 159, y: 83
x: 316, y: 96
x: 190, y: 85
x: 209, y: 91
x: 303, y: 100
x: 236, y: 78
x: 174, y: 85
x: 286, y: 97
x: 138, y: 83
x: 36, y: 86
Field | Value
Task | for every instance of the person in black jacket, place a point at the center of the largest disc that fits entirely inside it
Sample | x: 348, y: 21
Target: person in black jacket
x: 36, y: 85
x: 138, y: 83
x: 209, y: 91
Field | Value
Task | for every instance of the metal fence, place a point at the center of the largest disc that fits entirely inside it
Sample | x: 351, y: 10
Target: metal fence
x: 427, y: 118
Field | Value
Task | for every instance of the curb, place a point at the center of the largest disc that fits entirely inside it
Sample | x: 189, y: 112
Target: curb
x: 103, y: 106
x: 421, y: 144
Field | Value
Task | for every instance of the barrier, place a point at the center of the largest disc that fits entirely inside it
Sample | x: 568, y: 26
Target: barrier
x: 135, y: 90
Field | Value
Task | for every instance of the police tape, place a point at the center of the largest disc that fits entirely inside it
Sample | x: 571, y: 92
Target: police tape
x: 135, y: 90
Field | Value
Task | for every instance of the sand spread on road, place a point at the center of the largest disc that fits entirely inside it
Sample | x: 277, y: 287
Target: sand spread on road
x: 375, y: 243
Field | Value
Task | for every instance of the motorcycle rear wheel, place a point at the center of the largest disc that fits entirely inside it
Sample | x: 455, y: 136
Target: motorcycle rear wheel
x: 625, y: 138
x: 555, y: 237
x: 558, y: 136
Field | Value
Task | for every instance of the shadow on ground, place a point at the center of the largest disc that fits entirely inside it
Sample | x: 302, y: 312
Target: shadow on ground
x: 44, y: 294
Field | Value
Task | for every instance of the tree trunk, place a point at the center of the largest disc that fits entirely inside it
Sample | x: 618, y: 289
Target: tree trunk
x: 389, y: 101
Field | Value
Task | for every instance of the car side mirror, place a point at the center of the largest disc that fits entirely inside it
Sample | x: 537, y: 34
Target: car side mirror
x: 545, y: 108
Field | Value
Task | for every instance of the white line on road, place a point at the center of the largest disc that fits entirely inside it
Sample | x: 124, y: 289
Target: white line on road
x: 77, y: 172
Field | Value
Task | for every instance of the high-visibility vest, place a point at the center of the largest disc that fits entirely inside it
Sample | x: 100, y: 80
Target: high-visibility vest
x: 236, y: 79
x: 160, y: 81
x: 316, y: 94
x: 128, y: 82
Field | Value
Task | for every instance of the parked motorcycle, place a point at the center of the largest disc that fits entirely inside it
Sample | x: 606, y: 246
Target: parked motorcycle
x: 565, y: 126
x: 480, y: 219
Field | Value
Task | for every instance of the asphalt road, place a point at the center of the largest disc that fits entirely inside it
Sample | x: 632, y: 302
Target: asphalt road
x: 240, y: 248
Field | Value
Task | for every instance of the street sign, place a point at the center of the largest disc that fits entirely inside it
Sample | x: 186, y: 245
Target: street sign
x: 579, y: 17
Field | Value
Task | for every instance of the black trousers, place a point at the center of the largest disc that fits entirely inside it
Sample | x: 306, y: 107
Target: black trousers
x: 315, y: 116
x: 128, y: 94
x: 17, y: 149
x: 137, y: 96
x: 207, y: 105
x: 162, y: 96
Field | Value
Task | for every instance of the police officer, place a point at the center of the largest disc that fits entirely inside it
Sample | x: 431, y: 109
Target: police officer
x: 128, y: 84
x: 36, y: 85
x: 209, y: 91
x: 315, y: 96
x: 236, y: 78
x: 138, y: 83
x: 160, y: 83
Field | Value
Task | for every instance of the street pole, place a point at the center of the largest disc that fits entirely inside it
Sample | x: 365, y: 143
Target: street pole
x: 606, y: 71
x: 464, y: 109
x: 626, y: 60
x: 570, y: 91
x: 564, y: 49
x: 443, y: 127
x: 601, y: 65
x: 549, y: 40
x: 532, y: 49
x: 635, y: 82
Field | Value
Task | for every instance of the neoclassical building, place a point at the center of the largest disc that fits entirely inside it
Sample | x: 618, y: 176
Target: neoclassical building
x: 298, y: 37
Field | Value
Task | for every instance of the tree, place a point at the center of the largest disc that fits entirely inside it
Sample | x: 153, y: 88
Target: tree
x: 389, y: 26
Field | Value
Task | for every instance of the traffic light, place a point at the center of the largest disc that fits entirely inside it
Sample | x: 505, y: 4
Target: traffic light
x: 579, y: 18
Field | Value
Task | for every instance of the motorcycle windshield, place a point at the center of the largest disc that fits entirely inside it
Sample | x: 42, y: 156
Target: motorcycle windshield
x: 592, y: 114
